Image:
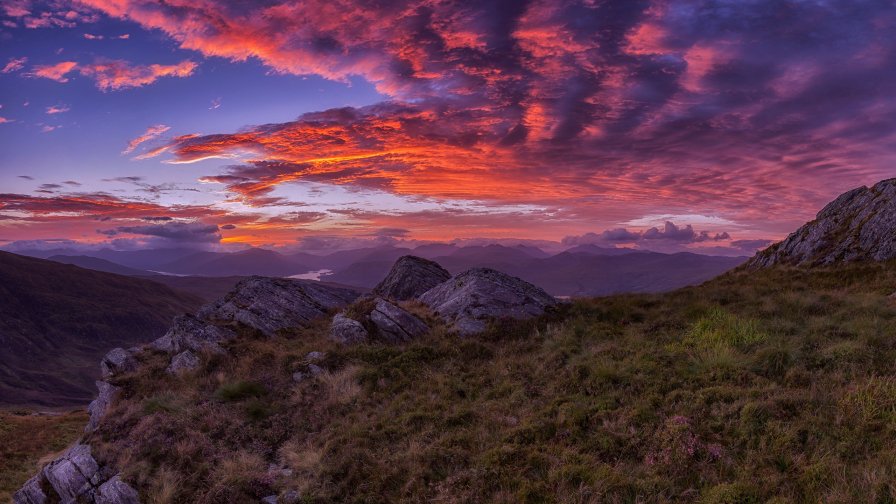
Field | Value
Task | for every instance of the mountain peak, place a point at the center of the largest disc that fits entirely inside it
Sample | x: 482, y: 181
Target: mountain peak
x: 859, y: 225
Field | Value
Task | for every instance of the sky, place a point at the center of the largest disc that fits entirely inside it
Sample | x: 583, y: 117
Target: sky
x: 713, y: 126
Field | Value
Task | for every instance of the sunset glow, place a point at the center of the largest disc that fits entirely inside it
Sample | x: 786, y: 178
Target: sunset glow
x: 133, y: 123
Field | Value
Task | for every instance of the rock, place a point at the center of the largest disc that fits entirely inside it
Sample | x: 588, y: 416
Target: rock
x: 31, y: 492
x: 271, y: 304
x: 190, y: 333
x: 311, y: 370
x: 98, y: 406
x: 270, y: 499
x: 395, y: 324
x: 859, y: 225
x: 74, y: 475
x: 292, y: 497
x: 118, y: 361
x: 410, y: 277
x: 115, y: 491
x: 475, y: 296
x: 183, y: 362
x: 315, y: 356
x: 347, y: 331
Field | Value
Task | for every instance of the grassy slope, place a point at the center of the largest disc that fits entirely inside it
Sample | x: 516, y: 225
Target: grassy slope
x: 770, y: 386
x: 26, y: 439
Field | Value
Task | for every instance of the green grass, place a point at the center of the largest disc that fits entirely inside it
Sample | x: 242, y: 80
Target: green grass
x: 771, y: 386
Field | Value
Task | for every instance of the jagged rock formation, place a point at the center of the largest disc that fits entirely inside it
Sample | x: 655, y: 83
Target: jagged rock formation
x: 183, y: 362
x: 410, y: 277
x: 76, y: 477
x: 272, y: 304
x: 858, y: 225
x: 189, y: 333
x: 347, y: 331
x: 97, y: 408
x: 394, y: 324
x: 117, y: 361
x: 473, y: 297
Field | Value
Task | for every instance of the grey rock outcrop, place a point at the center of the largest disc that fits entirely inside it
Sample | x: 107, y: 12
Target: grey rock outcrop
x: 190, y: 333
x: 117, y: 361
x: 347, y: 331
x: 395, y: 324
x: 472, y: 298
x: 272, y: 304
x: 859, y: 225
x: 183, y: 362
x: 409, y: 277
x: 97, y: 408
x: 76, y: 477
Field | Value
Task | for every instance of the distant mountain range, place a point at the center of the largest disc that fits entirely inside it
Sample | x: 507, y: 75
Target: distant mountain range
x: 583, y: 270
x: 58, y: 320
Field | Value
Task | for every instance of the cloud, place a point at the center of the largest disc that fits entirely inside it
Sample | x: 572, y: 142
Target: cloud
x: 26, y: 177
x: 751, y: 245
x: 4, y: 120
x: 114, y: 75
x: 150, y: 133
x: 14, y: 65
x: 670, y: 232
x: 57, y: 109
x: 57, y: 72
x: 90, y: 36
x: 180, y: 232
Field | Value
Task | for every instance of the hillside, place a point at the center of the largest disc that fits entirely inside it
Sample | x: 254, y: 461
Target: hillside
x: 757, y: 385
x: 57, y: 321
x: 97, y: 264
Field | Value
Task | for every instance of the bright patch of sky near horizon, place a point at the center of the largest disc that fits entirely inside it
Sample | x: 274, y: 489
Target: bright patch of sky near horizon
x: 719, y: 125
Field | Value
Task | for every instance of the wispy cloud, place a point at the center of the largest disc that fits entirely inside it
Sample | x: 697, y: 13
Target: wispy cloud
x: 58, y: 109
x: 150, y: 133
x: 14, y: 65
x: 57, y: 72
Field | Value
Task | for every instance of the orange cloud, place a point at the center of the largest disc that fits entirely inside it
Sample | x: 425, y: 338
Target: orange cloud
x: 55, y: 72
x: 114, y: 75
x: 150, y: 133
x: 14, y: 65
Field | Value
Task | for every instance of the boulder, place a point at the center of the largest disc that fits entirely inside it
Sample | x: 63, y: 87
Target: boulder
x: 31, y: 492
x: 117, y: 361
x: 859, y: 225
x: 409, y: 277
x: 76, y: 477
x: 395, y: 324
x: 272, y: 304
x: 183, y: 362
x: 115, y: 491
x: 190, y: 333
x: 347, y: 331
x: 98, y: 406
x: 472, y: 298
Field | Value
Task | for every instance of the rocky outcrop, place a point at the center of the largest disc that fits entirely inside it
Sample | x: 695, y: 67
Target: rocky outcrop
x: 409, y: 277
x: 859, y: 225
x: 183, y: 362
x: 97, y: 408
x: 347, y: 331
x: 272, y: 304
x: 394, y: 324
x: 76, y: 477
x: 190, y: 333
x: 118, y: 361
x: 472, y: 298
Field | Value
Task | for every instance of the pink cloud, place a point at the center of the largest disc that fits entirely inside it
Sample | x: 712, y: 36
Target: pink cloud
x: 57, y: 109
x: 14, y: 65
x: 115, y: 75
x: 149, y: 134
x: 55, y: 72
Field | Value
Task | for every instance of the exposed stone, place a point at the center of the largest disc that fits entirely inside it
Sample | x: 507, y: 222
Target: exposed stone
x: 858, y: 225
x: 115, y: 491
x: 183, y: 362
x: 347, y: 331
x: 118, y: 361
x: 395, y: 324
x: 292, y: 497
x: 315, y: 356
x: 472, y: 298
x: 189, y: 333
x: 98, y: 406
x: 270, y: 499
x: 410, y: 277
x: 31, y: 492
x: 272, y: 304
x: 76, y: 477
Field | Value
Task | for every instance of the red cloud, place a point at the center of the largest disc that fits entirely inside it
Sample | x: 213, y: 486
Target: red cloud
x: 55, y: 72
x: 149, y: 134
x: 14, y: 65
x: 119, y: 74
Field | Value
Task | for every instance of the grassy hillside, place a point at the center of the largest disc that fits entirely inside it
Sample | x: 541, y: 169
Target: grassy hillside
x: 58, y: 320
x: 27, y: 439
x: 768, y: 386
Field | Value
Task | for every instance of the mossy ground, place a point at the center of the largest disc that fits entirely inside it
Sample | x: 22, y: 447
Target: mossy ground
x: 762, y: 386
x: 27, y: 440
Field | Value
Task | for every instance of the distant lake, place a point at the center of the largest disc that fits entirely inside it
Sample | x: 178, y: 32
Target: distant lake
x: 312, y: 275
